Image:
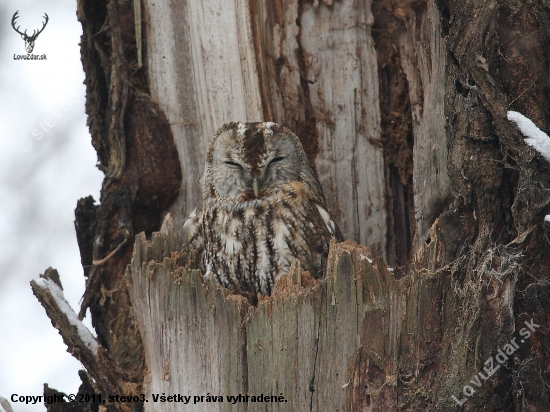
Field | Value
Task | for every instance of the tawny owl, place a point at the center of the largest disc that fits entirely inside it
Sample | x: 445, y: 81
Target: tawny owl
x: 262, y: 208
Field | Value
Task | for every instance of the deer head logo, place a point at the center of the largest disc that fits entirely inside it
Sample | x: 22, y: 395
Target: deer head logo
x: 29, y: 40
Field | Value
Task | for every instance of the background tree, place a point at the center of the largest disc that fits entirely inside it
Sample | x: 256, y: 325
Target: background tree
x: 402, y: 108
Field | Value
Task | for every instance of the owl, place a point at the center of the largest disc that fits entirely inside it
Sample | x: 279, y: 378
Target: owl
x: 262, y: 208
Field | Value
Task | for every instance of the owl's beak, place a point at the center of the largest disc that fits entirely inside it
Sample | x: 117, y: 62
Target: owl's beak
x: 255, y: 187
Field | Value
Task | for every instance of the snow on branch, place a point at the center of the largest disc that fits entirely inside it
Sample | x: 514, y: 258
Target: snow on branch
x: 49, y: 292
x: 534, y: 137
x: 108, y: 376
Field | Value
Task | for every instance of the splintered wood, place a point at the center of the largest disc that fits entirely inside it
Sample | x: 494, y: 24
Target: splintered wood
x: 306, y: 347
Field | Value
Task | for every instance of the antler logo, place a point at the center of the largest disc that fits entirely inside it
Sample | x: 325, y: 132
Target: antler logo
x: 29, y: 40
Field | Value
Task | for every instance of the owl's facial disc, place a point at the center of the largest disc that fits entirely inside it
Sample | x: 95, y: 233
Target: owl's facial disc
x: 251, y: 160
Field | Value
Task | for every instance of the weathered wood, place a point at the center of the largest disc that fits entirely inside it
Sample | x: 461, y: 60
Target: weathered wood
x: 282, y: 336
x: 309, y: 66
x: 196, y: 345
x: 361, y: 339
x: 202, y: 73
x: 423, y: 56
x: 302, y: 343
x: 340, y: 63
x: 357, y: 357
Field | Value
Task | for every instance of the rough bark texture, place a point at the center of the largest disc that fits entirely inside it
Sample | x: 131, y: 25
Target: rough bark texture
x: 401, y: 106
x: 496, y: 52
x: 136, y: 151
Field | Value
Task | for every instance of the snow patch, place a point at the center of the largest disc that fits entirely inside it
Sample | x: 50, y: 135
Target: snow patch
x: 363, y: 257
x: 547, y: 218
x: 57, y: 293
x: 535, y: 137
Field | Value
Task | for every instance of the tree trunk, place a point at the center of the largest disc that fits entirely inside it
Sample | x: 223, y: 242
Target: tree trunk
x: 402, y: 109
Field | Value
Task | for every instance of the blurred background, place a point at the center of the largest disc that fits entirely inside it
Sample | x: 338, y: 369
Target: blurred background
x: 45, y: 168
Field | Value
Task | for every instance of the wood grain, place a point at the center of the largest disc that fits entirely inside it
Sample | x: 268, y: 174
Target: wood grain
x: 311, y: 67
x: 302, y: 343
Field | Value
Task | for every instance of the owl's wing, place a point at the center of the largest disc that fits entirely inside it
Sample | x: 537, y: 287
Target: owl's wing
x: 329, y: 223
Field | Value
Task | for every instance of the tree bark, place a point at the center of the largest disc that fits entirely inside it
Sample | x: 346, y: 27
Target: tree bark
x: 402, y: 108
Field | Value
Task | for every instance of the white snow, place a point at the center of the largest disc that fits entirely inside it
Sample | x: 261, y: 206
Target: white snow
x: 547, y: 218
x: 535, y: 137
x: 57, y: 293
x: 363, y: 257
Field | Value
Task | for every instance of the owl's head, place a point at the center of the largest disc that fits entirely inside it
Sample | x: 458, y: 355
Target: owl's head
x: 247, y: 161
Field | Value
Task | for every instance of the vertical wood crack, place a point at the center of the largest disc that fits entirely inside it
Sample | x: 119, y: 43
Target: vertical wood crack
x: 312, y: 381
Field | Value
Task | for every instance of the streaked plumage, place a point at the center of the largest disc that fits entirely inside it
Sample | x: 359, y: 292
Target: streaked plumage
x: 262, y: 207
